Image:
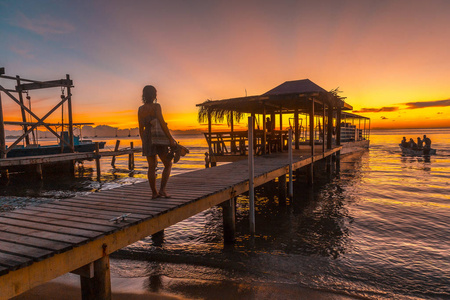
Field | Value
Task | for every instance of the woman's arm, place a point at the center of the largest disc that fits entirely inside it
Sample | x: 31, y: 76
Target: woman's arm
x: 164, y: 124
x: 141, y: 123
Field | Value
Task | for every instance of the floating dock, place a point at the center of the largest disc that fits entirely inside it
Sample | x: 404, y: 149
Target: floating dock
x: 42, y: 242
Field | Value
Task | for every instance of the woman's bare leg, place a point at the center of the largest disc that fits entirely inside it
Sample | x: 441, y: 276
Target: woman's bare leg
x: 152, y: 163
x: 166, y: 173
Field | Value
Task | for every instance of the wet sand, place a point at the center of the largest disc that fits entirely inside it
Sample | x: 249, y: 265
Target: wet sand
x: 67, y: 287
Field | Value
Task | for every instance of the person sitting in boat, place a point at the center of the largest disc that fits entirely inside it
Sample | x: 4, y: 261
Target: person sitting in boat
x: 419, y: 143
x: 412, y: 144
x: 426, y: 141
x: 404, y: 143
x: 427, y: 147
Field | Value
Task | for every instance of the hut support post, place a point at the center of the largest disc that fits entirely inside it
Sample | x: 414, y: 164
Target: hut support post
x: 212, y: 162
x: 69, y: 109
x: 296, y: 133
x: 264, y: 137
x: 323, y: 128
x: 233, y: 142
x: 311, y: 142
x: 282, y: 189
x: 97, y: 160
x: 291, y: 177
x: 229, y: 220
x: 338, y: 139
x: 131, y: 158
x: 251, y: 175
x: 113, y: 159
x: 330, y: 127
x: 281, y: 127
x: 99, y: 286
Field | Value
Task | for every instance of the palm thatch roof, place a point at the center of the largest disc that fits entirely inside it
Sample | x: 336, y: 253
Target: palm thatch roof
x: 285, y: 98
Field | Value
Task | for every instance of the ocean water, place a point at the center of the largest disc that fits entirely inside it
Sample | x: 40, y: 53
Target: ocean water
x: 378, y: 230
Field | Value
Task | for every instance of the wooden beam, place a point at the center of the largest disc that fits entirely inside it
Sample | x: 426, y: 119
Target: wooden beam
x: 86, y: 271
x: 44, y: 159
x: 116, y: 148
x: 22, y: 111
x: 44, y: 84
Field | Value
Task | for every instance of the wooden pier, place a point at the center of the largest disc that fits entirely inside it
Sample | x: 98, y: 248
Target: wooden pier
x: 40, y: 243
x: 40, y: 160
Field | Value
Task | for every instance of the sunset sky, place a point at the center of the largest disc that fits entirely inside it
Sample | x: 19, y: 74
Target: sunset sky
x: 391, y: 59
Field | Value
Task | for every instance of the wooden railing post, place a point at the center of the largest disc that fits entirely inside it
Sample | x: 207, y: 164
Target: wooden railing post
x: 113, y: 159
x: 131, y: 158
x: 97, y: 160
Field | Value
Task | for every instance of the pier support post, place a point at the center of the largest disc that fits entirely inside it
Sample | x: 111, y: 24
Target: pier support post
x: 328, y: 167
x: 99, y: 286
x: 39, y: 175
x: 97, y: 160
x: 229, y: 220
x: 251, y: 175
x: 291, y: 179
x: 282, y: 189
x: 158, y: 238
x: 131, y: 158
x: 310, y: 173
x: 338, y: 162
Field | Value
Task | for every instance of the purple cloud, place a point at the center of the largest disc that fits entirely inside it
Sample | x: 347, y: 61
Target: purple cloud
x: 43, y: 25
x: 424, y: 104
x: 375, y: 110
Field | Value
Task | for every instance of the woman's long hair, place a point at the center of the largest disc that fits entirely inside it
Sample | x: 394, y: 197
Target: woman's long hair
x: 148, y: 94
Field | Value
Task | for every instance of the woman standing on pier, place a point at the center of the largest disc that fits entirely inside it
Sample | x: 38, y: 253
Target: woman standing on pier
x: 156, y: 140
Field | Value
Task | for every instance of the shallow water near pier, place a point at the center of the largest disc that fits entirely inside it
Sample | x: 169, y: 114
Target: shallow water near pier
x: 378, y: 230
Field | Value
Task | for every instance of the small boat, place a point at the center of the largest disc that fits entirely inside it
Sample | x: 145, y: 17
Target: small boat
x: 416, y: 152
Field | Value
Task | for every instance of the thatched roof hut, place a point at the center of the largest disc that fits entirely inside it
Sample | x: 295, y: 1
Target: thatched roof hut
x: 285, y: 98
x: 323, y: 110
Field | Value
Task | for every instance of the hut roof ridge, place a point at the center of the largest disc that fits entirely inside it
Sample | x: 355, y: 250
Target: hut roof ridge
x: 295, y: 87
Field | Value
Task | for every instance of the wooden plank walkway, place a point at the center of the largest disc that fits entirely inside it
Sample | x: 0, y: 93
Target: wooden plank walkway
x: 42, y: 242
